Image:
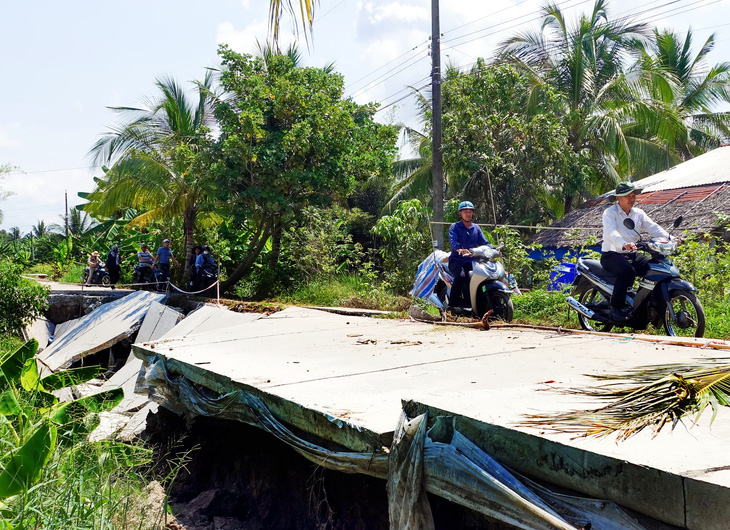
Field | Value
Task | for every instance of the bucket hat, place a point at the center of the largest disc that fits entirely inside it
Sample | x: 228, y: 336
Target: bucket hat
x: 626, y: 188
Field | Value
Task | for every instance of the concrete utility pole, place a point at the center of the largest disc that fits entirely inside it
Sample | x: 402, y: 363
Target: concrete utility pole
x: 437, y: 162
x: 66, y: 194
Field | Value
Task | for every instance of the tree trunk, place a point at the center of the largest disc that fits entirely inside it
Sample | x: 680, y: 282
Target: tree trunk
x: 188, y: 235
x: 255, y: 248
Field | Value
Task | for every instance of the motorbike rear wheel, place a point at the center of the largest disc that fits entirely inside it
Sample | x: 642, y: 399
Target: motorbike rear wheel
x: 589, y: 295
x: 689, y: 315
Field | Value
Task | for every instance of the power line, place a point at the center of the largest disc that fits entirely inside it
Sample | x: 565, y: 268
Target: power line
x: 50, y: 170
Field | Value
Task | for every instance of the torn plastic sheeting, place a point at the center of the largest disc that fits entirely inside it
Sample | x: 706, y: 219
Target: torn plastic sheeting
x: 242, y: 406
x: 408, y: 506
x: 456, y: 470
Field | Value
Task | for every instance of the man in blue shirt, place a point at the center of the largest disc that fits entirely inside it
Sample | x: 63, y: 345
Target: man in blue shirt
x: 164, y: 255
x: 463, y: 235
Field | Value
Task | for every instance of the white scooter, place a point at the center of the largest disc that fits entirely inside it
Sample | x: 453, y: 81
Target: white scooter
x: 489, y: 284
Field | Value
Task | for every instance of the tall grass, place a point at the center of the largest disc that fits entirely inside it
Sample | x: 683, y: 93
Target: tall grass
x: 347, y: 290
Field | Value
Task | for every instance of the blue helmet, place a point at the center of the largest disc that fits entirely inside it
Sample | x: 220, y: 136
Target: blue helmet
x: 466, y: 205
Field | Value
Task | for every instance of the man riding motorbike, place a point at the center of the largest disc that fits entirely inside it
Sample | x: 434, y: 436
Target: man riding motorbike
x: 144, y: 266
x: 463, y: 235
x: 619, y: 255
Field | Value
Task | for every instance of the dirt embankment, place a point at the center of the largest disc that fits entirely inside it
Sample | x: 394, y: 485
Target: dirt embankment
x: 240, y: 477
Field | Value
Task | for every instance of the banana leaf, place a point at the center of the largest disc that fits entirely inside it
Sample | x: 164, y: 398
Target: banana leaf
x: 71, y: 377
x: 74, y: 411
x: 26, y: 464
x: 29, y: 377
x: 9, y: 405
x: 12, y: 365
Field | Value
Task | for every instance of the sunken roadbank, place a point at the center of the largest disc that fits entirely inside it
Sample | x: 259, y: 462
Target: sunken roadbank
x: 436, y: 409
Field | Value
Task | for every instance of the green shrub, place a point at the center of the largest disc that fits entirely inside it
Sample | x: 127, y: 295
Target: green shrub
x: 21, y: 300
x: 405, y: 242
x: 543, y: 308
x: 72, y: 274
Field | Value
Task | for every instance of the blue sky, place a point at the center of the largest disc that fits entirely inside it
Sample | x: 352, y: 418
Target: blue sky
x: 64, y: 63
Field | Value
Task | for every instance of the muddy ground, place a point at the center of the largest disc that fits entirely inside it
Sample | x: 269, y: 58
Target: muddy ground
x: 240, y: 477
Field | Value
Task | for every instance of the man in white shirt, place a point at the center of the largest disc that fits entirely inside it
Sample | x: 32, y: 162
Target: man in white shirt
x: 619, y: 245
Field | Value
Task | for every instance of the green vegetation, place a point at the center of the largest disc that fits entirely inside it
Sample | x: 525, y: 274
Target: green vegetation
x: 21, y: 300
x: 51, y: 476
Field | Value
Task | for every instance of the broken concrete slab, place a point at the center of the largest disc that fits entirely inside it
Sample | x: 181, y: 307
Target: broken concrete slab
x: 344, y: 378
x: 102, y: 328
x: 62, y: 328
x: 208, y: 318
x: 137, y: 423
x: 159, y: 320
x: 41, y: 330
x: 110, y: 424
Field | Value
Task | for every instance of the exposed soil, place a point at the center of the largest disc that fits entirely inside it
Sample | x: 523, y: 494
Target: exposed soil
x: 242, y: 477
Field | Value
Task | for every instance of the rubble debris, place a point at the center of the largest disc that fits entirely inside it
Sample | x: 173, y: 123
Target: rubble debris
x: 105, y: 326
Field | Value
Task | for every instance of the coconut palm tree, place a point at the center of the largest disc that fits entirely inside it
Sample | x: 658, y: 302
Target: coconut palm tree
x: 697, y: 89
x: 584, y: 63
x: 277, y: 8
x: 153, y: 160
x: 40, y: 229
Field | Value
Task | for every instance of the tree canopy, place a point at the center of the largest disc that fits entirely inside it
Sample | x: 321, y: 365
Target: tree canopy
x: 287, y: 140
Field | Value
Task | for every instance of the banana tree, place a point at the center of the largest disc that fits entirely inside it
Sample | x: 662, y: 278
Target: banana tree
x: 33, y: 422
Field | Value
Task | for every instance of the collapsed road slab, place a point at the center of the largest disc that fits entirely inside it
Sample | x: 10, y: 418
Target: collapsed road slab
x: 41, y: 330
x: 210, y: 318
x: 343, y: 379
x: 102, y: 328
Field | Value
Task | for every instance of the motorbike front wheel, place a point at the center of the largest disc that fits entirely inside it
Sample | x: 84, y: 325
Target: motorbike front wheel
x: 591, y: 297
x: 689, y: 315
x: 500, y: 303
x: 106, y: 281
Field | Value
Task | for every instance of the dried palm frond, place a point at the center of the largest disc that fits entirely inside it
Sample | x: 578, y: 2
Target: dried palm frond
x: 653, y: 400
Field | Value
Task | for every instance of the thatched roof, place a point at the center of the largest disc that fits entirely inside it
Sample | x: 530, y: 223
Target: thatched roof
x: 697, y: 190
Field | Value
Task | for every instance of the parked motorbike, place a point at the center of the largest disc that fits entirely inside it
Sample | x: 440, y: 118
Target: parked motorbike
x: 151, y: 277
x: 100, y: 277
x: 489, y: 285
x: 663, y: 297
x: 207, y: 276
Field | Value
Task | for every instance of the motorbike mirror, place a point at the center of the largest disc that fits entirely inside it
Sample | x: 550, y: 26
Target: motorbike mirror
x: 678, y: 221
x: 629, y: 223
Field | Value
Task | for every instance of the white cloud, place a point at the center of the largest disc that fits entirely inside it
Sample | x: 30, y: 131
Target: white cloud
x: 7, y: 142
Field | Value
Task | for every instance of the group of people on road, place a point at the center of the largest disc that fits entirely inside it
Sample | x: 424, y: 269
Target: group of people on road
x: 200, y: 258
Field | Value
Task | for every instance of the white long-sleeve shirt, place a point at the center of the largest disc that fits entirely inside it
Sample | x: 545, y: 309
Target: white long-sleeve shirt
x: 616, y: 235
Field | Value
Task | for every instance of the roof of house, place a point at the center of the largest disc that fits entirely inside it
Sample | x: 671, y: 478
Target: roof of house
x: 696, y: 189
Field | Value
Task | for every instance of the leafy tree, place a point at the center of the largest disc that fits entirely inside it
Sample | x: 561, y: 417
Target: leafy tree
x: 288, y: 140
x: 4, y: 169
x: 584, y: 63
x: 507, y: 160
x: 156, y: 164
x: 21, y: 300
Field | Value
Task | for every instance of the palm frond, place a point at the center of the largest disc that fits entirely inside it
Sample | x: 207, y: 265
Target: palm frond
x: 654, y: 398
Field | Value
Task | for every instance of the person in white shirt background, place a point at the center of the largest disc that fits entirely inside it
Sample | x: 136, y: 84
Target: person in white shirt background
x: 618, y: 251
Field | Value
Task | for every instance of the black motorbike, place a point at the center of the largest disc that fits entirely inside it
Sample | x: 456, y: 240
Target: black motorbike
x: 207, y: 276
x: 100, y: 277
x: 663, y: 297
x: 150, y: 277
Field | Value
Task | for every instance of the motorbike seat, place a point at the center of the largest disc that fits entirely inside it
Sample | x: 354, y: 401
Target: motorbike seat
x: 596, y: 268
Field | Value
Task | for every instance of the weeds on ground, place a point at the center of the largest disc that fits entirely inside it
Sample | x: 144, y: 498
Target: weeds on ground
x: 72, y: 274
x: 544, y: 308
x: 350, y: 290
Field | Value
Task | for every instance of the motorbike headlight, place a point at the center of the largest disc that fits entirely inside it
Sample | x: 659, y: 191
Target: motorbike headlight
x: 662, y: 245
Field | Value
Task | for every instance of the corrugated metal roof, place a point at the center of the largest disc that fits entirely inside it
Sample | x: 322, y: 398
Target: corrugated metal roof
x: 711, y: 168
x: 679, y: 195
